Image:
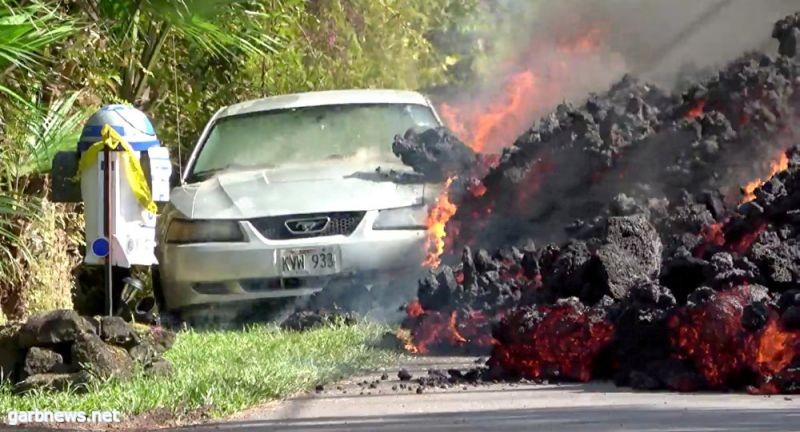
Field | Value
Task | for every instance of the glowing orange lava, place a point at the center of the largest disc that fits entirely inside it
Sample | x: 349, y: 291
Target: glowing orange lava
x: 776, y: 348
x: 775, y: 167
x: 438, y: 217
x: 414, y: 309
x: 697, y: 109
x: 564, y: 343
x: 477, y: 189
x: 713, y: 338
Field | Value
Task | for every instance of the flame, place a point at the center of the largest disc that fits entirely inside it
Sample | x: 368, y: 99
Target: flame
x: 526, y: 91
x: 452, y: 326
x: 404, y: 335
x: 436, y: 331
x: 585, y: 44
x: 519, y: 87
x: 438, y: 217
x: 781, y: 164
x: 497, y: 124
x: 451, y: 118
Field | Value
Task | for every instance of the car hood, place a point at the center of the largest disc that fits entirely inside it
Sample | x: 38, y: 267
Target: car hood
x: 332, y: 186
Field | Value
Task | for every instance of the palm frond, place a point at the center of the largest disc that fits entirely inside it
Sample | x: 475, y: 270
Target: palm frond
x: 24, y: 34
x: 198, y: 21
x: 51, y: 129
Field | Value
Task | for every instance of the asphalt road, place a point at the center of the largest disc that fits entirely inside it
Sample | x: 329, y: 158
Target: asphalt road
x: 505, y: 407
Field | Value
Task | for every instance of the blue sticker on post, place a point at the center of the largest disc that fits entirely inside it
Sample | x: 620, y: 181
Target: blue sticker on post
x: 100, y: 247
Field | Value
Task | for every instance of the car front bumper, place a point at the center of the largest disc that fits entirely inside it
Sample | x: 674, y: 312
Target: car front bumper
x: 217, y: 273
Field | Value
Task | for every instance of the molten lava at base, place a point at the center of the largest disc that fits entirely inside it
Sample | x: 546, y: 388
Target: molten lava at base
x: 561, y: 341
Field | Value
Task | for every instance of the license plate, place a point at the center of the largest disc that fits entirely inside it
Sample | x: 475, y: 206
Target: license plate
x: 310, y: 261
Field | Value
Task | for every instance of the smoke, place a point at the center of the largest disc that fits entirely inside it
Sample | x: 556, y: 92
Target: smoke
x: 661, y: 39
x: 658, y: 39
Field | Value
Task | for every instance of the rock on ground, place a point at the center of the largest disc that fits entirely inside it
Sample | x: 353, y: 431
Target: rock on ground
x: 50, y: 381
x: 50, y: 328
x: 41, y: 361
x: 115, y: 330
x: 101, y: 359
x: 9, y: 352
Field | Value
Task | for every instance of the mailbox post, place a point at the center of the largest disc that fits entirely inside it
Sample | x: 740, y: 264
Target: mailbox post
x: 123, y: 171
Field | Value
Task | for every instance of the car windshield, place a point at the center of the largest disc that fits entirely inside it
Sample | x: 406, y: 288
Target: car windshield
x: 273, y: 138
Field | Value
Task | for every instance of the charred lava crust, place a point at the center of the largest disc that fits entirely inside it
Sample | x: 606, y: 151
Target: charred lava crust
x: 435, y: 153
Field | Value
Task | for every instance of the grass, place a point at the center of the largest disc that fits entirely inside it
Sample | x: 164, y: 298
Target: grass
x: 226, y: 371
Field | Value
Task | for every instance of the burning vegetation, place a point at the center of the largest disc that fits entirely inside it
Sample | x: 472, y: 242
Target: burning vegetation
x: 642, y: 237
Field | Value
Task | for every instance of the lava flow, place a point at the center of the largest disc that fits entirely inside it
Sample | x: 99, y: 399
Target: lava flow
x: 647, y: 274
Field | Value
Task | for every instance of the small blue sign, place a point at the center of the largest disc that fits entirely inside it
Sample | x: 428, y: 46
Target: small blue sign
x: 100, y: 247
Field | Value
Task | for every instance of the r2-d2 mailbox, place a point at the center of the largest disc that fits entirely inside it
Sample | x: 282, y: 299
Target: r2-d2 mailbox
x: 131, y: 228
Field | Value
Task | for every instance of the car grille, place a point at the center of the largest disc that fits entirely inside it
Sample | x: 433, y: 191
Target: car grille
x: 274, y: 228
x: 273, y: 284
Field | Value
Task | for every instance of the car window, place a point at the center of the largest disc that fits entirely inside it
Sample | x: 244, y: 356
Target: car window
x: 270, y: 139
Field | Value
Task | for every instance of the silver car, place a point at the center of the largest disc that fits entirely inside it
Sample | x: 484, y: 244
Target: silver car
x: 281, y: 195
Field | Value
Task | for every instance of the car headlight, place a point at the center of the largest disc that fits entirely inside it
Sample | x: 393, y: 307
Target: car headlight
x: 184, y: 231
x: 404, y: 218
